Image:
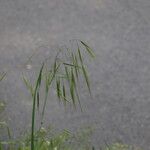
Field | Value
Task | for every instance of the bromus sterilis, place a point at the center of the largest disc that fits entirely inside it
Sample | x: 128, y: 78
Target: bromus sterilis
x: 64, y: 74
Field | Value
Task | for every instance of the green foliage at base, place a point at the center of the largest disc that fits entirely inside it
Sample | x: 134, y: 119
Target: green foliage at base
x: 47, y: 140
x: 119, y: 146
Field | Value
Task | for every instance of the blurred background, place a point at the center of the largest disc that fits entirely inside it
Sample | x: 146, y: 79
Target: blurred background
x: 118, y: 32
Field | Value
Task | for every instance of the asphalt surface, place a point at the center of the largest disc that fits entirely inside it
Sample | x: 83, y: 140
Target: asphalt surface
x: 119, y: 33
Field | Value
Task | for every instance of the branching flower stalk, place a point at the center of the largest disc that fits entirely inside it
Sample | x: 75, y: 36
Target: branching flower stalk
x: 64, y: 73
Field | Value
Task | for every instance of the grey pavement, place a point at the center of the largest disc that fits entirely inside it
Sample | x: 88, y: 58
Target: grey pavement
x: 119, y: 33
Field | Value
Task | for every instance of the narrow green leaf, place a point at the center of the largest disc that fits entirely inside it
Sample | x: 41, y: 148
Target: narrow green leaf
x: 9, y: 133
x: 0, y: 146
x: 90, y: 51
x: 40, y: 75
x: 46, y: 83
x: 28, y: 85
x: 75, y: 87
x: 55, y: 65
x: 37, y: 86
x: 48, y: 79
x: 64, y: 95
x: 75, y: 64
x: 38, y: 83
x: 80, y: 56
x: 2, y: 76
x: 93, y: 148
x: 73, y: 77
x: 71, y: 65
x: 86, y: 78
x: 64, y: 92
x: 78, y: 98
x: 72, y: 87
x: 58, y: 88
x: 38, y: 100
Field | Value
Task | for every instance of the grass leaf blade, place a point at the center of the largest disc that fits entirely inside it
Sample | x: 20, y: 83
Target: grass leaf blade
x: 28, y: 85
x: 72, y: 87
x: 86, y: 78
x: 2, y: 76
x: 90, y: 51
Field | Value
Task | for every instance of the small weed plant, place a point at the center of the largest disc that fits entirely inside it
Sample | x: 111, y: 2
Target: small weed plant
x: 68, y: 66
x: 63, y: 75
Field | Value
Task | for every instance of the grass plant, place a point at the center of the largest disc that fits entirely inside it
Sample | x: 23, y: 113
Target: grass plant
x: 64, y: 75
